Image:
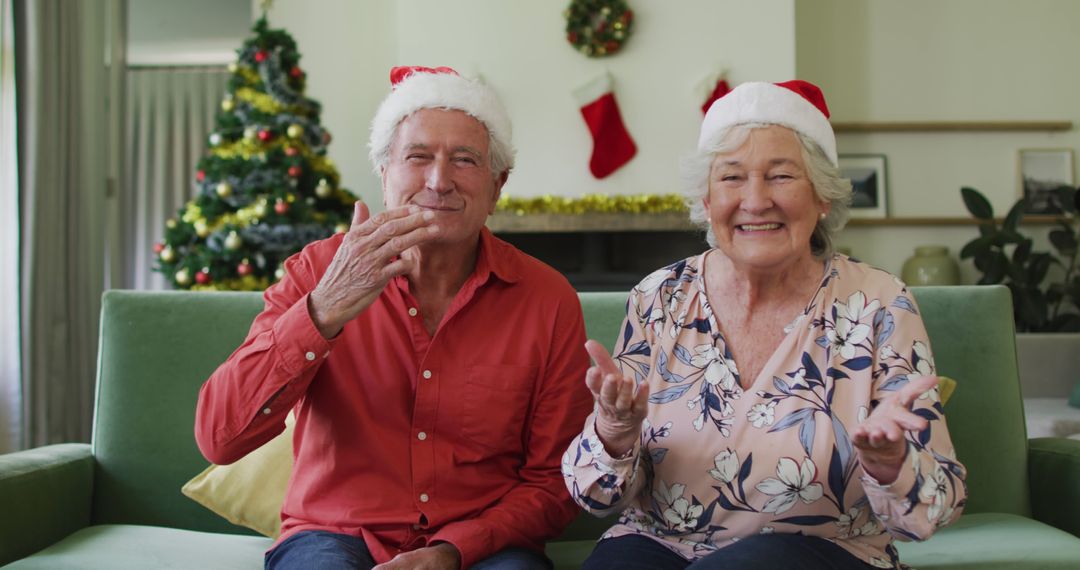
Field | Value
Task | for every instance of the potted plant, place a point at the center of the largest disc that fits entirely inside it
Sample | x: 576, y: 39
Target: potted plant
x: 1045, y: 288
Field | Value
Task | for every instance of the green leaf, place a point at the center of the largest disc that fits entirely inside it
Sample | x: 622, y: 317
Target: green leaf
x: 976, y: 247
x: 1038, y: 266
x: 1065, y: 198
x: 976, y: 203
x: 1022, y: 251
x: 1064, y: 241
x: 997, y: 265
x: 1016, y: 213
x: 1006, y: 236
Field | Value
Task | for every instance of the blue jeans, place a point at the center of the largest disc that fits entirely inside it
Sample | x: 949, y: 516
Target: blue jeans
x: 772, y: 551
x: 317, y: 549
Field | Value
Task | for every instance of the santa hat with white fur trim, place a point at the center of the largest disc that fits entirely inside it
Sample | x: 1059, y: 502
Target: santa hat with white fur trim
x: 798, y: 105
x: 416, y: 88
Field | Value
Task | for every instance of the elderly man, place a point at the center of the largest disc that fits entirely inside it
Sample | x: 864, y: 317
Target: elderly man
x: 435, y: 371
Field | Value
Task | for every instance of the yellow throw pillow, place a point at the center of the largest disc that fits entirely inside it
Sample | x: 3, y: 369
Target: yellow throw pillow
x: 249, y: 492
x: 946, y: 387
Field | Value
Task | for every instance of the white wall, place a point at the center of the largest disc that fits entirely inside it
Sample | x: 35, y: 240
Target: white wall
x: 519, y: 48
x: 933, y: 60
x: 167, y: 32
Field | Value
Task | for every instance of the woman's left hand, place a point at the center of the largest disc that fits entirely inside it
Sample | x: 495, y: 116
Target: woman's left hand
x: 879, y: 440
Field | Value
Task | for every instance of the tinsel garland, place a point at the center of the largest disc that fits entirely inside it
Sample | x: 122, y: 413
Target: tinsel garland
x: 594, y: 203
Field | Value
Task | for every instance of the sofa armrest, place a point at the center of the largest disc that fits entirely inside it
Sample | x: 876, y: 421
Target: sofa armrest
x: 46, y: 494
x: 1054, y: 469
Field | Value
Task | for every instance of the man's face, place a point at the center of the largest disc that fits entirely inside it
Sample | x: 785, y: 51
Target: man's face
x: 439, y: 161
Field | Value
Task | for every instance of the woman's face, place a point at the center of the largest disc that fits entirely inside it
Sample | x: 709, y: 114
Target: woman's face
x: 762, y: 206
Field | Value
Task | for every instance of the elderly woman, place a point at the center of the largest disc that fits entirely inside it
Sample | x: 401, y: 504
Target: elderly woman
x: 769, y: 404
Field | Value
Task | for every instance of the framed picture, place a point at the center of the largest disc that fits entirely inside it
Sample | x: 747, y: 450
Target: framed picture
x: 1042, y: 172
x: 867, y: 175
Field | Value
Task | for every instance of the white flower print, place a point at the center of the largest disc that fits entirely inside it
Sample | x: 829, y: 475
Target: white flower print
x: 655, y: 321
x: 845, y: 525
x: 925, y: 366
x: 799, y: 379
x: 856, y: 308
x: 675, y: 300
x: 727, y: 465
x: 767, y: 530
x: 717, y: 370
x: 666, y: 495
x: 795, y: 482
x: 678, y: 325
x: 933, y: 491
x: 846, y: 335
x: 879, y: 562
x: 762, y: 414
x: 886, y: 352
x: 653, y: 281
x: 682, y: 515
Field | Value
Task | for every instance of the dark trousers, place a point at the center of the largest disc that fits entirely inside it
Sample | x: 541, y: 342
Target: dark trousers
x: 758, y: 552
x: 316, y: 549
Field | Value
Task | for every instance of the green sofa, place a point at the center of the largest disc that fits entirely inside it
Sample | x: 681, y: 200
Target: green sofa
x: 117, y: 503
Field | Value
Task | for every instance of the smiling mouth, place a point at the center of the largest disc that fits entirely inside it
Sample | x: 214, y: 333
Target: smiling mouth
x: 758, y: 227
x: 438, y: 208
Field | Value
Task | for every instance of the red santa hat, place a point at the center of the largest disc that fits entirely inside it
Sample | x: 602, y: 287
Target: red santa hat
x: 416, y: 88
x: 798, y: 105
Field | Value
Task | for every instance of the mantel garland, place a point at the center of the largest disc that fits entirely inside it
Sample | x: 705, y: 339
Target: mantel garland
x: 593, y: 203
x: 598, y: 28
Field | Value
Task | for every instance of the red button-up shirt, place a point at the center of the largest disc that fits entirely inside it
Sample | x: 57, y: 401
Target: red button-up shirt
x: 405, y: 438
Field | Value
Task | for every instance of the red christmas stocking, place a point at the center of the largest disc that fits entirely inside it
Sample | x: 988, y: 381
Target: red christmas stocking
x: 612, y: 145
x: 719, y: 89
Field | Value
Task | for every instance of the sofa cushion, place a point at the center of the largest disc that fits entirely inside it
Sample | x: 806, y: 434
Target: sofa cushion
x: 991, y: 541
x: 112, y: 547
x: 249, y: 492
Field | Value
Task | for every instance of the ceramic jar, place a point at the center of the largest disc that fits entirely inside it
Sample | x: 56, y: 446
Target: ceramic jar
x: 931, y: 265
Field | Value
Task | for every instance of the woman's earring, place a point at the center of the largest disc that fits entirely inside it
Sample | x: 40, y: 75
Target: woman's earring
x: 822, y: 215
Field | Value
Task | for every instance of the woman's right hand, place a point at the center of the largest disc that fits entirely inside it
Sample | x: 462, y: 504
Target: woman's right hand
x: 621, y: 402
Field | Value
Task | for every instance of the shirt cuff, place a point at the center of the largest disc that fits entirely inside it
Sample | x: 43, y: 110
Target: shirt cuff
x: 626, y: 464
x: 905, y: 479
x: 472, y: 539
x: 300, y: 345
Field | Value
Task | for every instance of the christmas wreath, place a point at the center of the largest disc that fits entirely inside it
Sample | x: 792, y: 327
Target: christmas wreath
x: 598, y: 28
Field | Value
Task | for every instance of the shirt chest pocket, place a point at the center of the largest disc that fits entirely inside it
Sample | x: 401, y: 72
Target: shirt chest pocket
x: 496, y: 401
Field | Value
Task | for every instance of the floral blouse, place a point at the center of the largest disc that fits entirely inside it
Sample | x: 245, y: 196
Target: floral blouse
x: 716, y: 462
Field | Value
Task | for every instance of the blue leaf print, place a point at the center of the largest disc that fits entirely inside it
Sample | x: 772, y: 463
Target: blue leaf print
x: 591, y: 503
x: 836, y: 373
x: 836, y: 478
x: 712, y: 401
x: 670, y: 394
x: 909, y: 535
x: 639, y: 347
x: 807, y: 520
x: 812, y: 370
x: 879, y: 315
x: 843, y: 442
x: 886, y: 328
x: 894, y: 383
x: 627, y: 333
x: 700, y: 325
x: 902, y: 302
x: 744, y: 472
x: 822, y: 341
x: 858, y: 363
x: 726, y: 503
x: 781, y: 385
x: 792, y: 419
x: 658, y: 454
x: 667, y: 375
x: 806, y: 435
x: 924, y: 435
x: 682, y: 354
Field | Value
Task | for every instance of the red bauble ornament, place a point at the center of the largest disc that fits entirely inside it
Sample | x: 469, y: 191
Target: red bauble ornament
x: 291, y: 151
x: 158, y: 247
x: 200, y: 175
x: 244, y: 269
x: 296, y: 71
x: 295, y: 171
x: 326, y: 138
x: 281, y: 207
x: 202, y: 277
x: 265, y: 135
x: 260, y: 56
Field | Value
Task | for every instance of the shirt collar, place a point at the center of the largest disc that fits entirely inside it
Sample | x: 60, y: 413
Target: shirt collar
x: 496, y: 257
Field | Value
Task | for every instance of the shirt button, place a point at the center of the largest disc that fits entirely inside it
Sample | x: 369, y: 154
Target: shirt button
x: 421, y: 436
x: 427, y: 374
x: 310, y: 356
x: 266, y: 411
x: 423, y: 497
x: 412, y: 311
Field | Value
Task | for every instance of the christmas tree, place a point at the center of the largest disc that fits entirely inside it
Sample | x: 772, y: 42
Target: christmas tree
x: 265, y: 187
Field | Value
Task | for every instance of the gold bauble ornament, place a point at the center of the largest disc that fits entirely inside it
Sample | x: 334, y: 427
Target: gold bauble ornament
x: 233, y: 67
x: 251, y: 133
x: 233, y: 241
x: 224, y: 189
x: 170, y: 223
x: 183, y: 277
x: 279, y: 272
x: 201, y: 229
x: 294, y: 131
x: 323, y: 189
x: 168, y: 255
x: 228, y: 105
x: 341, y: 228
x: 260, y: 209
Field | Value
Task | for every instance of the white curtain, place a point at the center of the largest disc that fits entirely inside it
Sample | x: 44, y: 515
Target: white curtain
x: 170, y: 114
x: 64, y: 134
x: 10, y: 416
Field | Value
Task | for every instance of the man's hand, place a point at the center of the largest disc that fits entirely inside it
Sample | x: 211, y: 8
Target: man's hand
x: 879, y: 440
x: 622, y: 403
x: 365, y: 263
x: 442, y: 556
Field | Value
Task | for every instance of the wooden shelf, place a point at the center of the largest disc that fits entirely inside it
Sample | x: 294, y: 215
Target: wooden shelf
x: 948, y: 126
x: 506, y: 222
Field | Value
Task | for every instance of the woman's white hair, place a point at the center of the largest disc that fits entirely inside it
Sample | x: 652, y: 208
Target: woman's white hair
x: 824, y: 178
